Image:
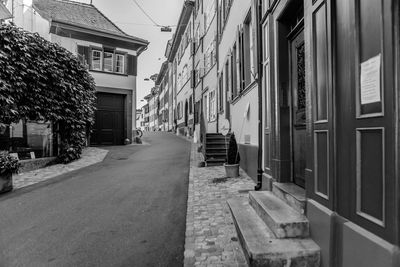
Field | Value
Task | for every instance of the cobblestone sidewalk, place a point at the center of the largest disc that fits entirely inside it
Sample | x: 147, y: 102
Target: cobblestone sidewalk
x: 211, y: 238
x: 90, y: 156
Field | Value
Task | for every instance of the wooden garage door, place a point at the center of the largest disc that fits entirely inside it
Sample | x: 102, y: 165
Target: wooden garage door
x: 109, y: 120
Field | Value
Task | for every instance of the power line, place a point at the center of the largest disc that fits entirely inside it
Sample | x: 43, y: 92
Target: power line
x: 147, y: 15
x: 141, y: 24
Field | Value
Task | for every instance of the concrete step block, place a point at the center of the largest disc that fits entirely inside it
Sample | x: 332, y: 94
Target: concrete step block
x: 292, y: 194
x: 262, y: 248
x: 282, y: 219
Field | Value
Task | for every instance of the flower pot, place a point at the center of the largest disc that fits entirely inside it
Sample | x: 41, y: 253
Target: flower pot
x: 6, y: 182
x: 232, y: 170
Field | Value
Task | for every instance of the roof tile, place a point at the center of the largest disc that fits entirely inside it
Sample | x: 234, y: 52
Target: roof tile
x: 75, y: 13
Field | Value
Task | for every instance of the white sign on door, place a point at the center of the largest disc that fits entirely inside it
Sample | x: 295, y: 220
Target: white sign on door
x: 370, y: 84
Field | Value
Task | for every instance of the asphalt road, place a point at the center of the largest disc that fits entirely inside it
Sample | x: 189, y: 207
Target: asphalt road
x: 129, y: 210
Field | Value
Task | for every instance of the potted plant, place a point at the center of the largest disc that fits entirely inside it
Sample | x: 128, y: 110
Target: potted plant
x: 8, y: 166
x: 233, y: 158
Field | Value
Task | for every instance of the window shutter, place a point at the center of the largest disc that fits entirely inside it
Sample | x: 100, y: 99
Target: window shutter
x: 126, y: 64
x: 132, y: 65
x: 255, y: 25
x: 80, y: 53
x: 88, y: 56
x: 241, y: 58
x: 83, y: 54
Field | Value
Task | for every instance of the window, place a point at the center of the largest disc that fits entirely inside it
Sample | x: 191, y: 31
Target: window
x: 206, y: 107
x: 213, y: 108
x: 248, y: 50
x: 235, y: 72
x: 120, y: 63
x: 190, y: 104
x: 96, y: 59
x: 209, y: 57
x: 209, y: 15
x: 227, y: 77
x: 221, y: 92
x: 108, y: 61
x: 224, y: 8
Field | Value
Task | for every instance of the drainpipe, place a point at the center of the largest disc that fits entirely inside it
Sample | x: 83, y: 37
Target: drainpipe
x: 217, y: 59
x: 259, y: 84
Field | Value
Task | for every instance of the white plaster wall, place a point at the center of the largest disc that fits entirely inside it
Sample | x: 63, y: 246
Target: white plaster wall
x: 236, y: 17
x: 241, y: 125
x: 28, y: 19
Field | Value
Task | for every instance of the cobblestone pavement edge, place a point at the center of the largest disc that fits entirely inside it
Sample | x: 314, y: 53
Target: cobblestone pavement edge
x: 90, y: 156
x: 211, y: 238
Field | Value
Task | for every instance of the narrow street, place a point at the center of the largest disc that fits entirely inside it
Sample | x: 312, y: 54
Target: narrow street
x: 128, y: 210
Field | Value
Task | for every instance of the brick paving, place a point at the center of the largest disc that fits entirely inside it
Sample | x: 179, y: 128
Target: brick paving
x: 211, y: 238
x: 90, y: 156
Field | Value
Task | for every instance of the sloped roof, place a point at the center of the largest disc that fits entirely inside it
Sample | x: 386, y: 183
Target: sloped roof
x: 4, y: 13
x: 78, y: 14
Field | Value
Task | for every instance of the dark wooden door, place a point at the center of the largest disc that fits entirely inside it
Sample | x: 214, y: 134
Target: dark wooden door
x: 298, y: 106
x: 366, y: 126
x: 109, y: 120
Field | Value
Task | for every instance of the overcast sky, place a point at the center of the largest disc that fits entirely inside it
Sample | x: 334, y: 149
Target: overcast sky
x: 126, y: 15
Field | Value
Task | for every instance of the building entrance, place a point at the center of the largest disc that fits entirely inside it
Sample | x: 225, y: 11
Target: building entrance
x: 298, y: 107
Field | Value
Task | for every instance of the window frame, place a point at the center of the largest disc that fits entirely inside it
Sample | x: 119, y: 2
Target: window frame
x: 104, y: 61
x: 123, y: 63
x: 100, y: 59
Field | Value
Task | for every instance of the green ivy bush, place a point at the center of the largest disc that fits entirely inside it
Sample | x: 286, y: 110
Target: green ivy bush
x: 40, y: 80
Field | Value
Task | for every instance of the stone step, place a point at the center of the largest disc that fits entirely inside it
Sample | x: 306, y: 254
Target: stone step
x: 282, y: 219
x: 216, y: 134
x: 217, y: 145
x: 292, y: 194
x: 262, y: 248
x: 216, y: 155
x: 217, y: 137
x: 215, y: 150
x: 215, y: 162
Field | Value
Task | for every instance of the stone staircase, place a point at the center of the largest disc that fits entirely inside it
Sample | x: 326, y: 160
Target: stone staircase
x: 216, y: 148
x: 273, y: 229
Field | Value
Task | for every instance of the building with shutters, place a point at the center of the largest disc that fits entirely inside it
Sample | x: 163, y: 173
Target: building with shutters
x: 109, y: 54
x: 162, y: 83
x: 328, y: 136
x: 205, y: 51
x: 144, y: 125
x: 179, y: 56
x: 154, y: 104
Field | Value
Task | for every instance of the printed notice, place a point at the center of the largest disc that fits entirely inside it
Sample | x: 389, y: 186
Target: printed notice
x: 371, y: 80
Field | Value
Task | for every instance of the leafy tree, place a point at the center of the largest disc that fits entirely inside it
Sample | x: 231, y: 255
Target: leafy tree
x: 40, y: 80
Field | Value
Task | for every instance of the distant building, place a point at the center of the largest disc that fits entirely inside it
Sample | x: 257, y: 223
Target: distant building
x: 162, y: 82
x: 181, y: 63
x: 109, y: 54
x: 154, y: 105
